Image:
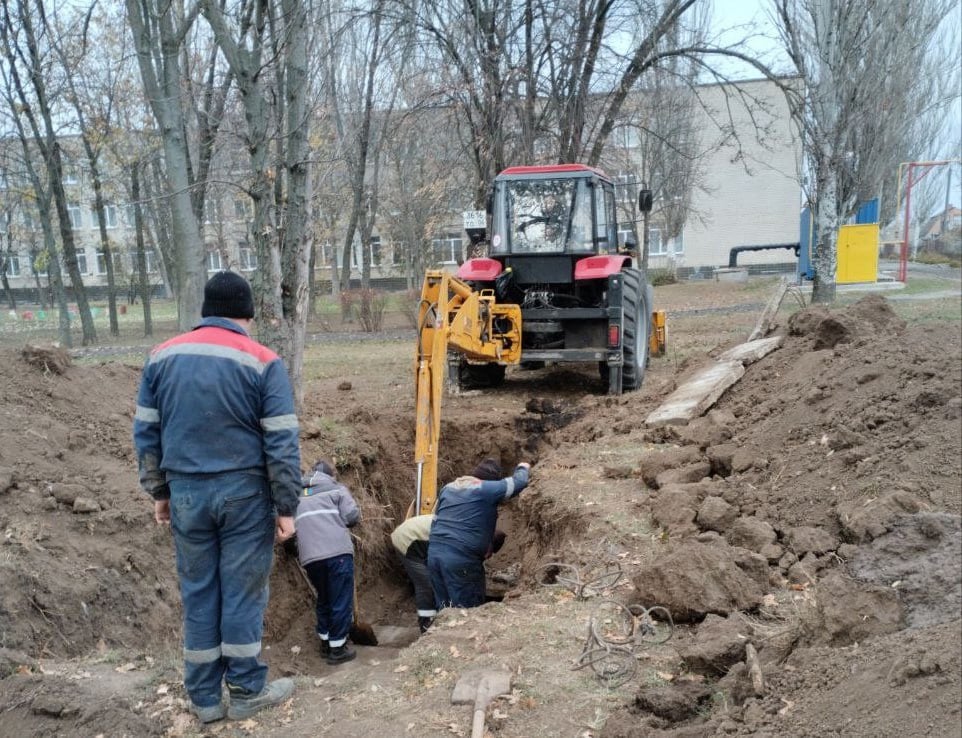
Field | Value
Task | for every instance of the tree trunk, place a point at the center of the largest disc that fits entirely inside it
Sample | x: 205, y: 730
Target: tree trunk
x: 11, y: 298
x: 143, y: 277
x: 281, y: 209
x: 824, y: 258
x: 104, y: 240
x: 163, y: 86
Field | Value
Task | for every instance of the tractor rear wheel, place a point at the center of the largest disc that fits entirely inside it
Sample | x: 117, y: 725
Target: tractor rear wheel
x: 635, y: 328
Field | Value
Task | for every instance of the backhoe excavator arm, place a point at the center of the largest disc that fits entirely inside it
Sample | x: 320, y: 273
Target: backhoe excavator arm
x: 452, y: 316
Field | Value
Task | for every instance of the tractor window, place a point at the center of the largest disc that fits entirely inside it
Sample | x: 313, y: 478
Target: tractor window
x: 605, y: 220
x: 547, y: 215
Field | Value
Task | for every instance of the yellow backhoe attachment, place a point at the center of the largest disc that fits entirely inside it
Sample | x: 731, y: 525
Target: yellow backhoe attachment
x: 453, y: 316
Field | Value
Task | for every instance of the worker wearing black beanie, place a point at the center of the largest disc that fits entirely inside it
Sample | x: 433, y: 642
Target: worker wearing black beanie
x: 227, y: 295
x: 216, y: 434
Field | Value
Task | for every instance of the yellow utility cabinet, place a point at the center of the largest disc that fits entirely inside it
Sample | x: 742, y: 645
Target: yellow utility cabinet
x: 857, y: 254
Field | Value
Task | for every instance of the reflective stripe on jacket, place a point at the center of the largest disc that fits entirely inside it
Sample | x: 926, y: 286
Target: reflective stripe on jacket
x: 214, y: 400
x: 466, y: 513
x: 324, y: 513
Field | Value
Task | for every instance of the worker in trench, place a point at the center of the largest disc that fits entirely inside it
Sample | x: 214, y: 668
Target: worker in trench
x: 411, y: 539
x: 463, y: 528
x: 324, y: 514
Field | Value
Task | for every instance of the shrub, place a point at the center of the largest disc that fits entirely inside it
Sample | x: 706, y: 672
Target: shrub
x: 371, y: 309
x: 659, y: 277
x: 349, y: 300
x: 412, y: 299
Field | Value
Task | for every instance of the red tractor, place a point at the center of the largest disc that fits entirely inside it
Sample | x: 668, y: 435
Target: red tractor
x: 553, y: 250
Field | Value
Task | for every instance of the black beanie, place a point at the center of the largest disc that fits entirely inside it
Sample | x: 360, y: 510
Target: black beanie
x: 488, y: 470
x: 227, y: 295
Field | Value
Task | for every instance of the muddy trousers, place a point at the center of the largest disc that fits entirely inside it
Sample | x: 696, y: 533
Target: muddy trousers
x: 333, y: 580
x: 415, y: 563
x: 223, y: 526
x: 458, y: 581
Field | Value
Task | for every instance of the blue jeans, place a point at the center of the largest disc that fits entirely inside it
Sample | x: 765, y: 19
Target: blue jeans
x: 223, y: 526
x: 457, y: 581
x: 333, y: 579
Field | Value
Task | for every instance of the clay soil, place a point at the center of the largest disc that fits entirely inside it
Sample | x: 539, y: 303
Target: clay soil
x: 811, y: 518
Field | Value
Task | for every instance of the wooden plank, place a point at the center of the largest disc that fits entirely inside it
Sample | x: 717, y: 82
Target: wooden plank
x: 764, y: 324
x: 694, y: 397
x: 752, y: 351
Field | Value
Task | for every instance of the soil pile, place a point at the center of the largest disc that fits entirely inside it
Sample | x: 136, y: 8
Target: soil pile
x: 821, y: 497
x: 812, y: 515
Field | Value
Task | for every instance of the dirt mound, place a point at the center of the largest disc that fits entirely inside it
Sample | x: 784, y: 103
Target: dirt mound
x: 821, y: 463
x: 921, y: 558
x: 81, y: 564
x: 812, y: 514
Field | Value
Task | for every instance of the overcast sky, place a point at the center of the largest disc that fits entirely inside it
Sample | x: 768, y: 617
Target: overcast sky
x: 737, y: 19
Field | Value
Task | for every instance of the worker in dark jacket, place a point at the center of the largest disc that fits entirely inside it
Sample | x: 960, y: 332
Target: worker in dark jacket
x: 325, y: 512
x: 465, y: 516
x: 217, y: 446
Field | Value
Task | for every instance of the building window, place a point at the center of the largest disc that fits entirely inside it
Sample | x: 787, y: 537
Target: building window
x: 397, y: 253
x: 214, y: 261
x: 447, y: 250
x: 4, y: 222
x: 70, y: 175
x: 110, y: 216
x: 241, y: 209
x: 656, y: 246
x: 82, y: 261
x: 248, y: 259
x: 625, y: 137
x: 626, y: 189
x: 12, y: 264
x: 325, y: 255
x: 150, y: 257
x: 376, y: 250
x: 28, y: 221
x: 76, y: 216
x: 102, y: 262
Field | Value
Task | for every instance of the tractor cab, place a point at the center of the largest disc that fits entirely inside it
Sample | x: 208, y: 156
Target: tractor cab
x: 562, y: 209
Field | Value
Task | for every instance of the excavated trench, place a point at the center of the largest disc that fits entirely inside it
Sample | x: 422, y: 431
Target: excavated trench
x: 376, y: 464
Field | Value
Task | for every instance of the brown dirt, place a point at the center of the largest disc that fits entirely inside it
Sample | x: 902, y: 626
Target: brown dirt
x: 821, y: 499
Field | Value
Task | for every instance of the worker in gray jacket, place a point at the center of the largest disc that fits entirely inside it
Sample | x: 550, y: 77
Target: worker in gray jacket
x: 324, y: 513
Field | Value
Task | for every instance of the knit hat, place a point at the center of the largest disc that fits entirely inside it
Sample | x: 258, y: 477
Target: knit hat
x: 227, y: 295
x: 319, y: 472
x: 488, y: 470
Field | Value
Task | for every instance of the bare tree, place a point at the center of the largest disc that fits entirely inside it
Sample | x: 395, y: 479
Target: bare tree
x: 90, y: 82
x: 265, y: 45
x: 159, y: 30
x: 24, y: 54
x: 860, y: 62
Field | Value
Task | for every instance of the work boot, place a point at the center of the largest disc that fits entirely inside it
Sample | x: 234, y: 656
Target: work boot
x: 325, y: 647
x: 209, y: 714
x: 244, y: 704
x: 340, y: 654
x: 424, y: 623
